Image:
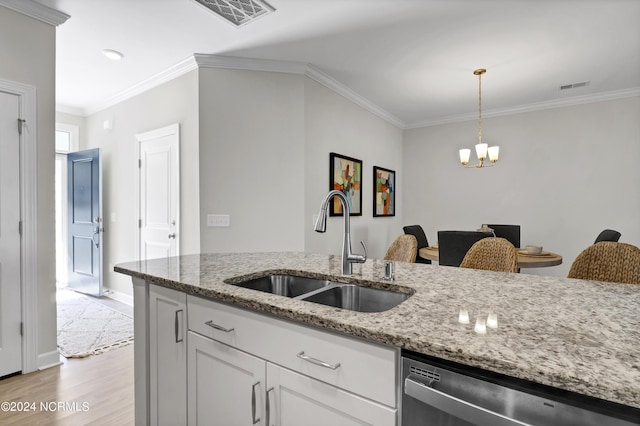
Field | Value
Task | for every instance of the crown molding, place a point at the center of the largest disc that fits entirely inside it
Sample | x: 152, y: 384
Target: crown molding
x: 175, y: 71
x: 354, y: 97
x: 538, y: 106
x: 291, y: 67
x: 37, y: 11
x: 200, y: 60
x: 250, y: 64
x: 70, y: 110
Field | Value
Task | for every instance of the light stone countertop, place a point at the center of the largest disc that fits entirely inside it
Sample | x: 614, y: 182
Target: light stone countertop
x: 582, y: 336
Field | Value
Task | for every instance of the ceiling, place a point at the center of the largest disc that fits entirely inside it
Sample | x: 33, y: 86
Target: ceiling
x: 414, y: 59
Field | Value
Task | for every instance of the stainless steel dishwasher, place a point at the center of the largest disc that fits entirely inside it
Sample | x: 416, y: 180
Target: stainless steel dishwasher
x: 441, y: 393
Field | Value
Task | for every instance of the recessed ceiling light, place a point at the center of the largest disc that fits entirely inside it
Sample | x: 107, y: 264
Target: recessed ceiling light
x: 114, y: 55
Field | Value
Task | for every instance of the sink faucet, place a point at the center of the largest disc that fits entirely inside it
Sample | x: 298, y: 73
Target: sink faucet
x: 321, y: 226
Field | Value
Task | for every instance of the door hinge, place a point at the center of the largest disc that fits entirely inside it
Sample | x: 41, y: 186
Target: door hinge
x: 22, y: 329
x: 21, y: 123
x: 139, y: 223
x: 139, y: 163
x: 20, y: 228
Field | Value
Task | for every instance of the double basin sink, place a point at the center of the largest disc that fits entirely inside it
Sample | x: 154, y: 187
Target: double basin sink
x: 326, y: 292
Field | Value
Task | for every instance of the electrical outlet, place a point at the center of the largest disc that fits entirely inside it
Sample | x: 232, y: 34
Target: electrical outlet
x: 218, y: 220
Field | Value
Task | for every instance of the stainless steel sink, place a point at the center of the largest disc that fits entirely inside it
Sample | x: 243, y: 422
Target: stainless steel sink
x: 345, y: 296
x: 357, y: 298
x: 284, y: 285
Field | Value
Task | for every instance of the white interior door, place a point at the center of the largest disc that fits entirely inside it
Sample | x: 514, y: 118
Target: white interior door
x: 159, y: 220
x: 10, y: 301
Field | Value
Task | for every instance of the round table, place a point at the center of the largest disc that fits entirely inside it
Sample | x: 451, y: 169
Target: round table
x: 524, y: 260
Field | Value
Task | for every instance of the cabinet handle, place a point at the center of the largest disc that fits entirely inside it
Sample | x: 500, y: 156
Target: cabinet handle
x: 316, y: 361
x: 268, y: 410
x: 253, y: 403
x: 178, y: 326
x: 218, y: 327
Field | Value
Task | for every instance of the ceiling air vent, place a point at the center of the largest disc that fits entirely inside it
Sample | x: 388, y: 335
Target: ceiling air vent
x: 574, y: 85
x: 238, y: 12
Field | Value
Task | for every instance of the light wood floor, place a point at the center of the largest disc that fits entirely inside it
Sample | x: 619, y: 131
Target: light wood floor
x: 98, y: 387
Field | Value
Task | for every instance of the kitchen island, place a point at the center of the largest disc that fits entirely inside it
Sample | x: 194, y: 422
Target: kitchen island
x: 575, y: 335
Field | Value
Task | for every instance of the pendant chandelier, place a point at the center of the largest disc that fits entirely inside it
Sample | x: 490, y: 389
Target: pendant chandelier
x: 482, y: 149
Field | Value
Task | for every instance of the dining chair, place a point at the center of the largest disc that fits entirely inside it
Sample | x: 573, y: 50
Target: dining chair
x: 492, y: 254
x: 608, y: 235
x: 421, y: 237
x: 453, y: 245
x: 608, y: 261
x: 509, y: 232
x: 403, y: 249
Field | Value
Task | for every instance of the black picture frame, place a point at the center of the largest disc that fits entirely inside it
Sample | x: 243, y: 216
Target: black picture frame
x: 345, y: 174
x: 384, y: 192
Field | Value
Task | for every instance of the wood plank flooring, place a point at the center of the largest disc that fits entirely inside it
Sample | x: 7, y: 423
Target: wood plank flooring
x: 94, y: 390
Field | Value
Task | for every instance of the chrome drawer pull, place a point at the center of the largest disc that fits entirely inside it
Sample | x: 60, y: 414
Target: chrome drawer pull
x: 253, y: 403
x: 316, y: 361
x: 218, y: 327
x: 177, y: 323
x: 268, y: 407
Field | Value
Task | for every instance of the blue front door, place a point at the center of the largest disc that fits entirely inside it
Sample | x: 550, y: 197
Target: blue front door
x: 85, y: 221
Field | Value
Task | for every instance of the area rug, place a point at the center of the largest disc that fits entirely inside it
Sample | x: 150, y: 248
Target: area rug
x: 87, y: 327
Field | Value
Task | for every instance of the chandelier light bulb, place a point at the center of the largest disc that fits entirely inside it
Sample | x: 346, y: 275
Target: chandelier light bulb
x: 494, y: 152
x: 481, y: 151
x: 464, y: 156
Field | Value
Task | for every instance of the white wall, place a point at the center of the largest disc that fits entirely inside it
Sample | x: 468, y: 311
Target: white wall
x: 265, y: 140
x: 172, y: 102
x: 252, y: 160
x: 28, y: 57
x: 564, y: 175
x: 335, y: 124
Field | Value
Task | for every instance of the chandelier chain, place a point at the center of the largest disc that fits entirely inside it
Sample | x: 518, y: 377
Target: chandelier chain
x: 480, y: 108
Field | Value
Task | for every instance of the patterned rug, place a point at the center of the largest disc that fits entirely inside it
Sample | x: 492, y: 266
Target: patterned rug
x: 87, y: 327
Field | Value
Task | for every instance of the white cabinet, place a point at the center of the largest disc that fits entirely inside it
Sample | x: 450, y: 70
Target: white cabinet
x: 366, y: 369
x: 312, y: 377
x: 226, y: 387
x: 294, y: 399
x: 167, y: 356
x: 201, y: 362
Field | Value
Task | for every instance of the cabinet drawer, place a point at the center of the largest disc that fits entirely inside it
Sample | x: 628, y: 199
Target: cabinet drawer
x: 352, y: 364
x: 301, y: 400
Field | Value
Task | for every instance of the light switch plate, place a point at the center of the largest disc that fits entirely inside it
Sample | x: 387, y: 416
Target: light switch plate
x: 218, y: 220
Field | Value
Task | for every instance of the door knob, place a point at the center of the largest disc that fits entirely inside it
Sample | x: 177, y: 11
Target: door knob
x: 172, y: 235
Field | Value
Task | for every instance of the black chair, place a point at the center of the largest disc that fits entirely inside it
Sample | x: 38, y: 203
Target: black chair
x: 454, y: 245
x: 510, y: 233
x: 608, y: 235
x: 418, y: 232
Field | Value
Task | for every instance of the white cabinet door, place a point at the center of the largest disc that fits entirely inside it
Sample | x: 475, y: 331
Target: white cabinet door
x: 226, y: 386
x: 294, y: 400
x: 167, y: 356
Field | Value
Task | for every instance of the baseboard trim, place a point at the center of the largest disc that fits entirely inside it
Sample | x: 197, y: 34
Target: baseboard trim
x: 119, y: 296
x: 48, y: 360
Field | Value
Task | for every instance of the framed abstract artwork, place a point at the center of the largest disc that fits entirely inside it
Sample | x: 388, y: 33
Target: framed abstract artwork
x: 345, y: 174
x: 384, y: 192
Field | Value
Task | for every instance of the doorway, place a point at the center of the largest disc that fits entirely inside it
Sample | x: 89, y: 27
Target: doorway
x: 67, y: 140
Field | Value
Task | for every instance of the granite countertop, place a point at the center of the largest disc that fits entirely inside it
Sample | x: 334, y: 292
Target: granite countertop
x: 582, y: 336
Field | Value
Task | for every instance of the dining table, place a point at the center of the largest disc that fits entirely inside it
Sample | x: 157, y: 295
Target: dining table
x: 525, y: 260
